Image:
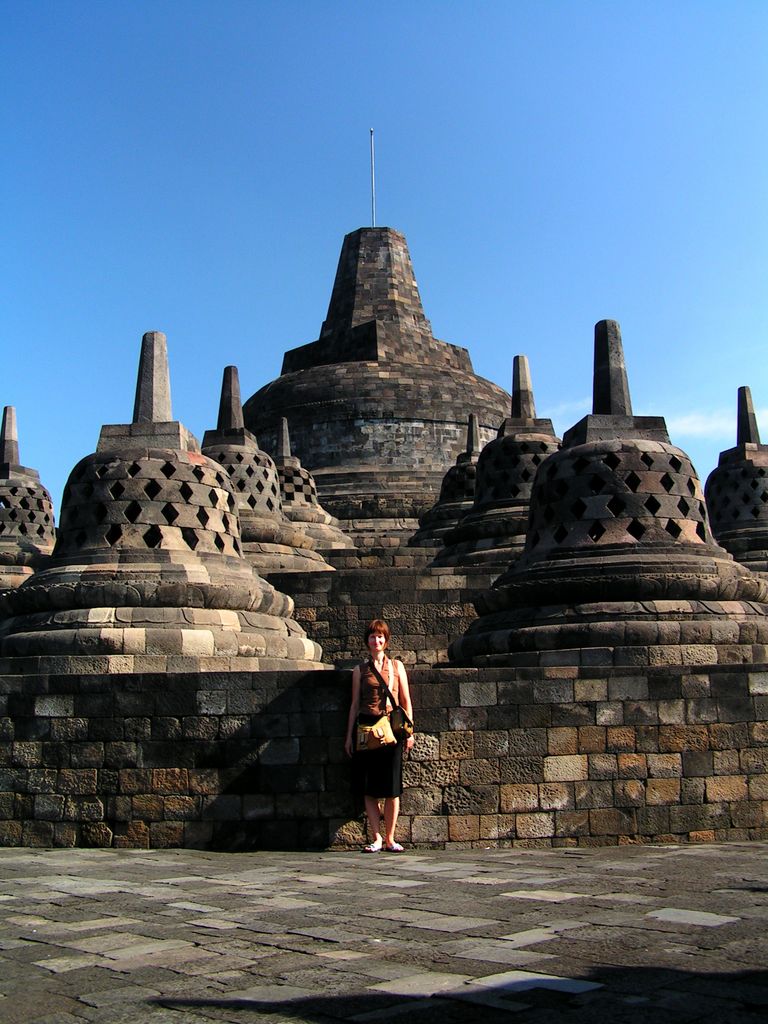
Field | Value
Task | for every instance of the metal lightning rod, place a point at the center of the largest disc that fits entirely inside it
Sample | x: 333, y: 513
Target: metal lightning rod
x: 373, y: 183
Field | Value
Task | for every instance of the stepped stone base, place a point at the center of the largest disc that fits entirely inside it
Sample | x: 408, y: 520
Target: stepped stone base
x: 556, y: 756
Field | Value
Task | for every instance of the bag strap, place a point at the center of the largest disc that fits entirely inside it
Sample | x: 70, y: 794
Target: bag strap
x: 380, y: 677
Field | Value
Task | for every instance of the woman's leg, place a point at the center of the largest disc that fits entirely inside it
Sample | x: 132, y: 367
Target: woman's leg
x: 391, y: 812
x: 373, y: 811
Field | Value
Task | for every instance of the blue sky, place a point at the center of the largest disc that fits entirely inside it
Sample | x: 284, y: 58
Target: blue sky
x: 192, y: 167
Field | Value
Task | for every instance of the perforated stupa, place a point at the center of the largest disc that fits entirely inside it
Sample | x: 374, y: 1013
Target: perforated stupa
x: 148, y: 570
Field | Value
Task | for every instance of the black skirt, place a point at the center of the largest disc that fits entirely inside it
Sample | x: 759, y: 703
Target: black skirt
x: 378, y: 772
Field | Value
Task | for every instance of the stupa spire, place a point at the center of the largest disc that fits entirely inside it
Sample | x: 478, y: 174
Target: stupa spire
x: 746, y: 428
x: 283, y: 441
x: 523, y: 405
x: 230, y: 405
x: 610, y: 393
x: 153, y: 386
x: 9, y: 438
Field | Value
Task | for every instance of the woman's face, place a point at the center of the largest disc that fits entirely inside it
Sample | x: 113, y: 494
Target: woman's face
x: 377, y: 643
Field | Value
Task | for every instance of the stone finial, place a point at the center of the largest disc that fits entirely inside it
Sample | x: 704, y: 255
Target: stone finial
x: 9, y: 438
x: 230, y: 406
x: 523, y: 406
x: 153, y: 387
x: 472, y: 450
x: 746, y: 430
x: 610, y: 393
x: 283, y: 440
x: 283, y: 458
x: 473, y: 435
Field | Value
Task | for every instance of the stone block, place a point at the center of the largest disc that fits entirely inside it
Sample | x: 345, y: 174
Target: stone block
x: 467, y: 719
x: 620, y: 739
x: 146, y: 807
x: 527, y: 742
x: 662, y: 791
x: 222, y: 808
x: 562, y: 741
x: 697, y: 763
x: 135, y: 837
x: 628, y: 688
x: 280, y: 751
x: 694, y: 818
x: 755, y: 761
x: 181, y: 808
x: 612, y: 822
x: 457, y: 745
x: 556, y: 796
x: 629, y: 793
x: 611, y: 713
x: 553, y: 691
x: 726, y: 762
x: 54, y: 706
x: 515, y: 798
x: 83, y: 808
x: 566, y: 769
x: 592, y: 739
x: 537, y: 825
x: 49, y: 807
x: 169, y: 780
x: 478, y: 694
x: 589, y: 795
x: 665, y: 766
x: 632, y: 766
x: 521, y: 769
x: 463, y: 827
x: 479, y: 771
x: 683, y: 737
x: 692, y: 791
x: 165, y: 834
x: 603, y: 766
x: 421, y: 802
x: 571, y: 823
x: 493, y: 743
x: 534, y: 716
x: 77, y: 781
x: 749, y: 815
x: 590, y: 690
x: 430, y: 829
x: 10, y: 833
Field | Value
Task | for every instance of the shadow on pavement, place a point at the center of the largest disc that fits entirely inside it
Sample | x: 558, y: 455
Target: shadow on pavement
x: 616, y: 995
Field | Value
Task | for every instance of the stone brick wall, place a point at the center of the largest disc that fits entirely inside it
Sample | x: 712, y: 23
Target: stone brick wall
x: 425, y: 608
x: 539, y: 757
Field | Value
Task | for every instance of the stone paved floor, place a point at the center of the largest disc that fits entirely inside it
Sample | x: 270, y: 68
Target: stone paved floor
x: 662, y: 934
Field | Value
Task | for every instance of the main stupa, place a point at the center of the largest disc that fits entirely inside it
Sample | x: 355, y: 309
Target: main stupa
x: 378, y: 406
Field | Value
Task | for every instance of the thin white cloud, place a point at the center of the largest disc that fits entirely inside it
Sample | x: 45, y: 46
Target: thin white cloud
x: 715, y: 424
x: 576, y: 405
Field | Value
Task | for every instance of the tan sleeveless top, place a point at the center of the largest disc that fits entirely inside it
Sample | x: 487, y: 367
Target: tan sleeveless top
x: 373, y: 700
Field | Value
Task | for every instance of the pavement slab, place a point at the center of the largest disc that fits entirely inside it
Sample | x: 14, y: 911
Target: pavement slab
x: 621, y: 935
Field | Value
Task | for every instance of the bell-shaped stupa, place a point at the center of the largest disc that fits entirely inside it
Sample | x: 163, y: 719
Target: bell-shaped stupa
x: 737, y: 492
x: 147, y: 572
x: 377, y: 405
x: 456, y: 494
x: 271, y: 543
x: 27, y: 532
x: 620, y: 566
x: 300, y: 504
x: 492, y: 533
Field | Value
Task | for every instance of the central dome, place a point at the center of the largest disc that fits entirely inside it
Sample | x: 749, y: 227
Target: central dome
x: 377, y: 405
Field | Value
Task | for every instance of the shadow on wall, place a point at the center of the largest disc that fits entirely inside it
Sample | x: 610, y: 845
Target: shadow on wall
x: 632, y: 995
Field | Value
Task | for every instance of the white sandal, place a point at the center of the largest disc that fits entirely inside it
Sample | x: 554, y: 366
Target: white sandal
x: 374, y: 847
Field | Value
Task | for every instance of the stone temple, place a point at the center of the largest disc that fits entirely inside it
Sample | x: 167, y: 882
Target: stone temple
x: 586, y: 629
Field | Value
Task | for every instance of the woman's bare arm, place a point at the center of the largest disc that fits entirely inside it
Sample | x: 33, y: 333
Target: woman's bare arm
x: 354, y: 708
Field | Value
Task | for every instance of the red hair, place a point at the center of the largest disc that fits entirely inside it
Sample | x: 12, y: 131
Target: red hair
x: 377, y: 626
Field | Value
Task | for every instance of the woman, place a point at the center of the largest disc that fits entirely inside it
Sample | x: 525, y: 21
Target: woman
x: 378, y: 773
